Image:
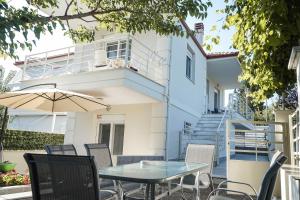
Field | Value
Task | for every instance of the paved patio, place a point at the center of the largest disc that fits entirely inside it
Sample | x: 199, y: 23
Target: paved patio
x: 190, y: 195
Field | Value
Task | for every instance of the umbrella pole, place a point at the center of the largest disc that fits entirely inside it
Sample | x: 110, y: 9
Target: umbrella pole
x: 2, y: 134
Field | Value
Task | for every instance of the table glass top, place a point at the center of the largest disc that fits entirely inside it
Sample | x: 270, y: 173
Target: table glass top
x: 151, y: 171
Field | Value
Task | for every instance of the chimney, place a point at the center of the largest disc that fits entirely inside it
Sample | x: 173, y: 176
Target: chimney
x: 199, y: 29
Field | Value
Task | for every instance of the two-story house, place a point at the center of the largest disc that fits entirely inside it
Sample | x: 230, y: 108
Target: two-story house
x: 155, y: 84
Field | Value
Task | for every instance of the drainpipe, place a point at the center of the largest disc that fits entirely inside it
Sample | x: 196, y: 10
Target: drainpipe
x: 168, y: 97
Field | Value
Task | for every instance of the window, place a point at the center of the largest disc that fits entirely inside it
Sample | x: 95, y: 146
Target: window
x: 104, y: 134
x: 113, y: 136
x: 190, y: 65
x: 188, y: 71
x: 118, y: 139
x: 118, y: 49
x: 187, y: 127
x: 112, y: 50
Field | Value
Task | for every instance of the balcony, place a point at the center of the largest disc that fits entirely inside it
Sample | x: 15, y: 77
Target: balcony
x: 106, y: 54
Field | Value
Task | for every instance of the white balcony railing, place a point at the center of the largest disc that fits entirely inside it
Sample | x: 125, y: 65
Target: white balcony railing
x: 99, y: 55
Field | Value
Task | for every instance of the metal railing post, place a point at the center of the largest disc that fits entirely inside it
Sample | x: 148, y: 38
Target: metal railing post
x: 24, y: 68
x: 217, y: 148
x: 68, y: 58
x: 46, y: 59
x: 118, y: 50
x: 127, y: 52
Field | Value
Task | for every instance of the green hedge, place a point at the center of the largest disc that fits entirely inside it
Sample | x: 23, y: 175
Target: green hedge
x: 27, y: 140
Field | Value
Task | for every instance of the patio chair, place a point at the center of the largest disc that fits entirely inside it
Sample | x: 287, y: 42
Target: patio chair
x: 64, y: 177
x: 102, y: 156
x: 196, y: 153
x: 199, y: 153
x: 66, y: 149
x: 267, y: 186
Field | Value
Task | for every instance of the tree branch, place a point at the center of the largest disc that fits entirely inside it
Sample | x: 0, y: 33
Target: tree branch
x: 86, y: 14
x: 68, y: 6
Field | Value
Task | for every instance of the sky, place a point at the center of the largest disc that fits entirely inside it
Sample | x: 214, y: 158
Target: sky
x: 212, y: 19
x: 58, y: 40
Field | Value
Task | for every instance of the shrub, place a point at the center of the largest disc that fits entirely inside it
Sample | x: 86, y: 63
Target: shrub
x: 27, y: 140
x: 13, y: 178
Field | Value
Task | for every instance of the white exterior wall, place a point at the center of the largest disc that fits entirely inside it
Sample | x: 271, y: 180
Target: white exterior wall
x: 186, y: 98
x: 144, y: 128
x: 146, y: 124
x: 176, y: 120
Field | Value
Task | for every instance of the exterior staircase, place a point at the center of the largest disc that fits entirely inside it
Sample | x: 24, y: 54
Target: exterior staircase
x: 210, y: 129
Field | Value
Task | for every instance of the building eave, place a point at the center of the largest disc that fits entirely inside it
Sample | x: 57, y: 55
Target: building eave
x: 222, y: 55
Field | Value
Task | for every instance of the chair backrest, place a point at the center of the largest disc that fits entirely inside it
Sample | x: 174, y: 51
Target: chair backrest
x: 62, y: 177
x: 66, y: 149
x: 268, y: 183
x: 101, y: 154
x: 200, y: 153
x: 275, y: 157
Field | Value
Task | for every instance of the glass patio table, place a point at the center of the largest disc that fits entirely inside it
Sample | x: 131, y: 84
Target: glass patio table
x: 151, y: 173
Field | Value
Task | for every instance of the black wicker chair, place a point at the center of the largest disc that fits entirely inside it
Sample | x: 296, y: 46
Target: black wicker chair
x: 267, y: 186
x: 102, y: 156
x: 64, y: 177
x: 66, y: 149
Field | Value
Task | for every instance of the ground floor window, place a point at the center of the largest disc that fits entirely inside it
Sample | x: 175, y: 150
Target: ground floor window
x: 112, y: 134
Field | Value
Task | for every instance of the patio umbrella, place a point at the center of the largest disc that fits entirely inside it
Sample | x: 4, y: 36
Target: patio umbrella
x: 51, y: 100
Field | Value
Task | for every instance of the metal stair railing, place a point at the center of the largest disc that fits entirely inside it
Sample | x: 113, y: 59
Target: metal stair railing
x: 240, y: 105
x: 220, y: 142
x: 294, y: 127
x: 189, y: 136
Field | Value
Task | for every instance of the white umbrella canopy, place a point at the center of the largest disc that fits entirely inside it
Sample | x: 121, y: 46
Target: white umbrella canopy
x: 51, y: 100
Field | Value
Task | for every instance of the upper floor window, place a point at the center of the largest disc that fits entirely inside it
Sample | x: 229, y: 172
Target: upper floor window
x: 190, y: 64
x: 118, y: 49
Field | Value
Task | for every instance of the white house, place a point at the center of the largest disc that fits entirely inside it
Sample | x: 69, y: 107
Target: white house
x: 157, y: 86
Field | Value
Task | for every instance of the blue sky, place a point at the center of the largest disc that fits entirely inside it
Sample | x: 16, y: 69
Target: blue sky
x: 212, y: 19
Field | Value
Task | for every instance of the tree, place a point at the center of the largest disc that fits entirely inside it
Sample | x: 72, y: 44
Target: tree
x: 121, y: 15
x: 289, y: 100
x: 265, y: 32
x: 4, y: 80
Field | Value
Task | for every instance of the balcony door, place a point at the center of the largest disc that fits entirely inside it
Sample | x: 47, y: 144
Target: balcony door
x: 111, y: 132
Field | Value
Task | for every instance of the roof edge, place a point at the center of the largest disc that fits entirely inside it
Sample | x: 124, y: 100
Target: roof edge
x: 193, y: 37
x: 222, y: 55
